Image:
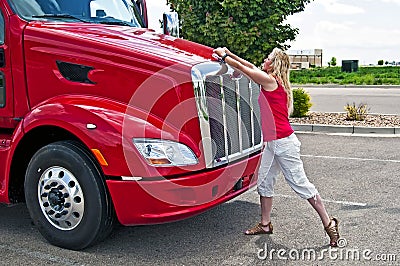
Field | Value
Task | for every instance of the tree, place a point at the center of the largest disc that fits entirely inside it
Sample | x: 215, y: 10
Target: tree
x: 250, y: 28
x: 380, y: 63
x: 332, y: 62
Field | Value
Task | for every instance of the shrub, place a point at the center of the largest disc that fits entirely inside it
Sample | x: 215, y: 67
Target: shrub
x: 356, y: 113
x: 332, y: 62
x: 301, y: 102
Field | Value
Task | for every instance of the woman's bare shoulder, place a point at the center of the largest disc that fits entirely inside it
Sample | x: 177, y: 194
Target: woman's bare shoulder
x: 271, y: 83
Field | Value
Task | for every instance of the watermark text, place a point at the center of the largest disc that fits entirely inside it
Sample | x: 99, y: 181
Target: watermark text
x: 338, y: 253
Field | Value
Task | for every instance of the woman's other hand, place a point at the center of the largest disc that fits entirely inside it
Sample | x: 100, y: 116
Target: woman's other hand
x: 220, y: 51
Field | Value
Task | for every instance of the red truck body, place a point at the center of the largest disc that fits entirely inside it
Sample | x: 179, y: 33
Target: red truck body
x: 103, y: 87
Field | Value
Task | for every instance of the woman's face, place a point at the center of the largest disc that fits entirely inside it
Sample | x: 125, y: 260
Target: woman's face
x: 267, y: 64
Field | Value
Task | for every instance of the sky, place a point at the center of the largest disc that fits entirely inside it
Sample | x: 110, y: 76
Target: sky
x: 364, y: 30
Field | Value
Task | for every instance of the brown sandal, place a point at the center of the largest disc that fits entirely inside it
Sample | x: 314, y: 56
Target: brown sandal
x: 333, y: 232
x: 258, y: 229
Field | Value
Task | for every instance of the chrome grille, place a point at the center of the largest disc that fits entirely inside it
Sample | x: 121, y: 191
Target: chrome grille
x: 228, y: 111
x: 231, y: 115
x: 215, y: 111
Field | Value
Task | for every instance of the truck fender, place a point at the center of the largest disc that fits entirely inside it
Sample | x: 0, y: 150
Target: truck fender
x: 98, y: 124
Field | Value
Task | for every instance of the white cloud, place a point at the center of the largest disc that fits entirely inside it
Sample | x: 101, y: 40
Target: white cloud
x: 356, y: 36
x: 369, y: 35
x: 336, y: 7
x: 392, y: 1
x: 328, y: 28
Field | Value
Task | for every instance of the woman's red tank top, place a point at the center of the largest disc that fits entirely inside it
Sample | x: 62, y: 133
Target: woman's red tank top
x: 274, y: 114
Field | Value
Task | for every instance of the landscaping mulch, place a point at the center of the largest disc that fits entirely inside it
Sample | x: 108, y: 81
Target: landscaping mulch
x: 371, y: 120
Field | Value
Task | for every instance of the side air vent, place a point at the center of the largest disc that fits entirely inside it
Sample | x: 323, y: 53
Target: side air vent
x: 75, y: 72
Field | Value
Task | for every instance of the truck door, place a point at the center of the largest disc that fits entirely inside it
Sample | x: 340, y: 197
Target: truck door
x: 6, y: 88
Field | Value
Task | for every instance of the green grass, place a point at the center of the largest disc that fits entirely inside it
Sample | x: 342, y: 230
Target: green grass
x: 385, y: 75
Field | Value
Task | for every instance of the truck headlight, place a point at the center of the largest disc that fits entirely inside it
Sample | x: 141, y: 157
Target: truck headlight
x: 158, y: 152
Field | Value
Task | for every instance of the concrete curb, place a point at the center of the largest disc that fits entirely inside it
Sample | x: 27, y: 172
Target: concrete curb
x: 345, y: 129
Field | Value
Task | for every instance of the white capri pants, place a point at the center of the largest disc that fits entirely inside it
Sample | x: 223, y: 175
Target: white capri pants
x: 283, y: 154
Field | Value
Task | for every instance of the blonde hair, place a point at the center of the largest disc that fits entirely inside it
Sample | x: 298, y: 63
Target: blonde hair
x: 280, y: 64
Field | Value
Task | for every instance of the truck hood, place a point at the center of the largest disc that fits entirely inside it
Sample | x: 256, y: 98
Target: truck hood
x: 144, y: 70
x: 139, y: 40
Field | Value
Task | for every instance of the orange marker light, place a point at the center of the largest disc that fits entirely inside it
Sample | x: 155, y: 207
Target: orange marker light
x: 99, y: 157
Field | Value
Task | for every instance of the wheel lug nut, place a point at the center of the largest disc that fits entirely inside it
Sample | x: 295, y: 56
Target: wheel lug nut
x: 65, y: 212
x: 53, y: 184
x: 67, y: 205
x: 60, y: 187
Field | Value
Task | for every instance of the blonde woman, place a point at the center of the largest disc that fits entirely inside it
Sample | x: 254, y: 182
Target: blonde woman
x: 281, y: 150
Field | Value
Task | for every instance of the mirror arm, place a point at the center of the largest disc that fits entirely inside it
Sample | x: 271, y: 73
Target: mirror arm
x: 141, y: 5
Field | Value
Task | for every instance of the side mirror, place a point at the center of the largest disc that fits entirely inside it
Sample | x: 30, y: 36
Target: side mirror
x: 171, y: 24
x: 142, y: 8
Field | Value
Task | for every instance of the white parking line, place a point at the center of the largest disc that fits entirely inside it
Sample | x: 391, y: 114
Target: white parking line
x: 341, y: 202
x: 347, y: 203
x: 351, y: 158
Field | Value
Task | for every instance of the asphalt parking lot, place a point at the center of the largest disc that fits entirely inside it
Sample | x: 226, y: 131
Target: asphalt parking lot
x: 358, y: 177
x: 380, y: 99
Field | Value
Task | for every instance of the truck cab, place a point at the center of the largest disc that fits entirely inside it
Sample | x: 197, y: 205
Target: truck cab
x: 102, y: 120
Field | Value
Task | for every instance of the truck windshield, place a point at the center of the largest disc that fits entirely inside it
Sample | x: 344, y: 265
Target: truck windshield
x: 115, y: 12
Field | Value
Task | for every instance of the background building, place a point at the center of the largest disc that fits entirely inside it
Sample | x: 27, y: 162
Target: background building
x: 300, y: 59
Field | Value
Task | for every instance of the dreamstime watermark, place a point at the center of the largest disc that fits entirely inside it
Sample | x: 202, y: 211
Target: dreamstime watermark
x: 342, y: 252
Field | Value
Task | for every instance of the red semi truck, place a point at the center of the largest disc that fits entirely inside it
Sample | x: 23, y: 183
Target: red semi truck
x: 103, y: 120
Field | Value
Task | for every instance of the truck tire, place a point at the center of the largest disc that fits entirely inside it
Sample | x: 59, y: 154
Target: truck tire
x: 67, y: 197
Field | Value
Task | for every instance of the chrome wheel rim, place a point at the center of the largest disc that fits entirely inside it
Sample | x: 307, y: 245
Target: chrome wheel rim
x: 61, y: 198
